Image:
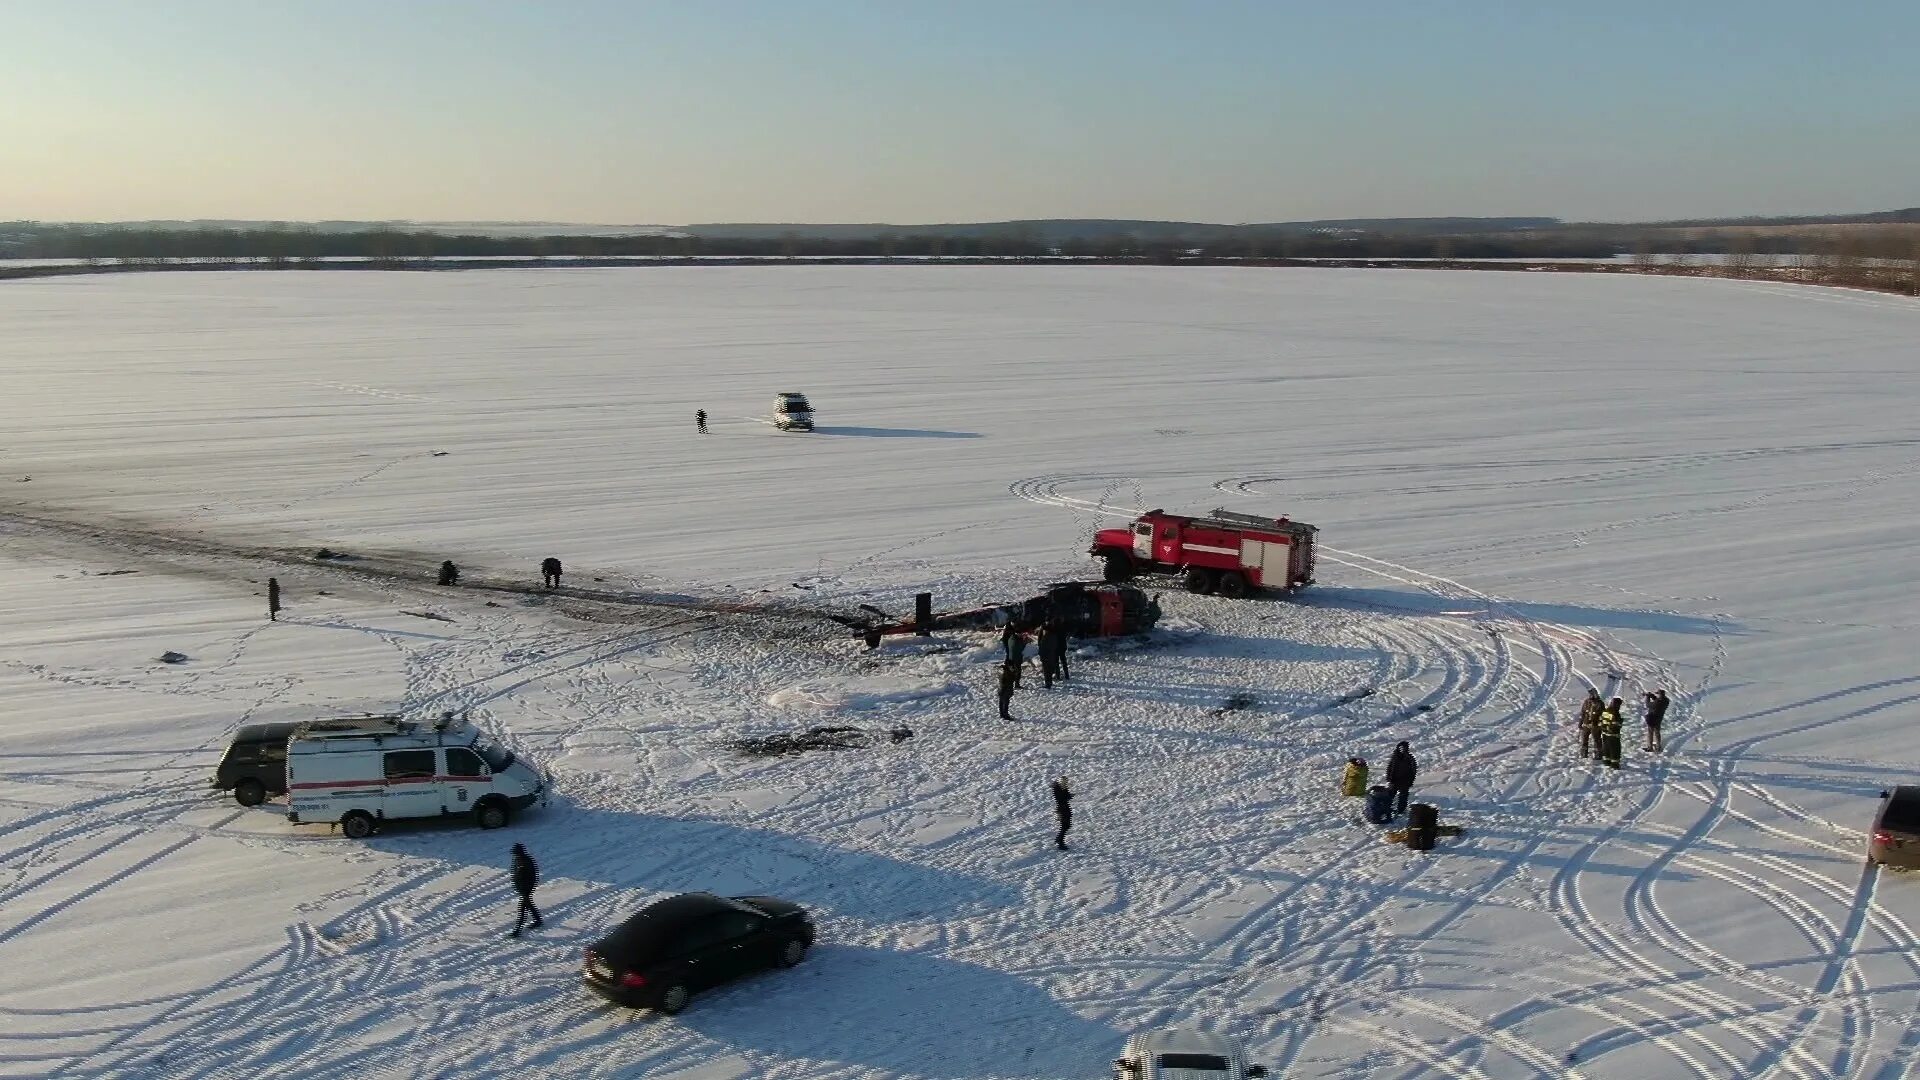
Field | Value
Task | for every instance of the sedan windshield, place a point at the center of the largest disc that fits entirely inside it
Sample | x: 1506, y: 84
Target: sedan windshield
x: 497, y: 757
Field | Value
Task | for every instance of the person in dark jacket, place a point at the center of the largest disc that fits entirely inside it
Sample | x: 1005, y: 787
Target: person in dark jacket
x: 449, y: 573
x: 1009, y: 679
x: 1657, y: 703
x: 1401, y: 770
x: 1062, y: 811
x: 550, y: 572
x: 1049, y: 659
x: 273, y: 599
x: 700, y: 420
x: 526, y: 878
x: 1058, y: 638
x: 1590, y: 710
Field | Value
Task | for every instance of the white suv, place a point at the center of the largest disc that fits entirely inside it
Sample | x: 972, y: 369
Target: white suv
x: 1184, y: 1054
x: 792, y: 412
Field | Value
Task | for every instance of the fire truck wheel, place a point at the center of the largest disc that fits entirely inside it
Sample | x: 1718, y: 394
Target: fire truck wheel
x: 1233, y: 584
x: 1119, y: 569
x: 1199, y: 579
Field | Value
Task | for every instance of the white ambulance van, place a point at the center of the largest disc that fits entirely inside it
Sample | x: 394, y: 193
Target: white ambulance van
x: 362, y: 771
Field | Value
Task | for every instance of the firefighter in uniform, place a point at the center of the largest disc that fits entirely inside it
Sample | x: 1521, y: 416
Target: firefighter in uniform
x: 1590, y: 711
x: 1610, y: 734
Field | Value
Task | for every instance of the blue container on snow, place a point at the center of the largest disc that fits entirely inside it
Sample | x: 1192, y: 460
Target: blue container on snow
x: 1379, y: 804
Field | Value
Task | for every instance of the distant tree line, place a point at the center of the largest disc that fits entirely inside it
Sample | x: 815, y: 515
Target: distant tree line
x: 30, y: 240
x: 1883, y: 256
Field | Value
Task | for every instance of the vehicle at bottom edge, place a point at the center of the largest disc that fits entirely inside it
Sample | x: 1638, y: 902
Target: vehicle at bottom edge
x: 1184, y: 1054
x: 674, y: 948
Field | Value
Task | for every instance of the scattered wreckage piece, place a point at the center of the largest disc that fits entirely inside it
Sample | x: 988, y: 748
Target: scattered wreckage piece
x: 824, y: 737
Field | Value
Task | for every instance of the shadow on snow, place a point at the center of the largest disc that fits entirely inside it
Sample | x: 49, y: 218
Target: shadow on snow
x: 644, y: 856
x: 895, y: 433
x: 905, y: 1013
x: 1423, y: 603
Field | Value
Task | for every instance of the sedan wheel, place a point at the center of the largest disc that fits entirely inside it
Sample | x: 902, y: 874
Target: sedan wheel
x: 673, y: 999
x: 792, y: 952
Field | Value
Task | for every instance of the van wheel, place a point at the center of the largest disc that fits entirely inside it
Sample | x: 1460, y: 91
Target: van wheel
x: 1233, y: 585
x: 1119, y: 568
x: 792, y: 952
x: 491, y: 814
x: 1199, y: 579
x: 357, y: 824
x: 673, y: 999
x: 250, y: 792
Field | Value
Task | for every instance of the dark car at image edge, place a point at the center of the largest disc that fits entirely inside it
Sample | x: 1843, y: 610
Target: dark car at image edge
x: 674, y: 948
x: 1895, y: 838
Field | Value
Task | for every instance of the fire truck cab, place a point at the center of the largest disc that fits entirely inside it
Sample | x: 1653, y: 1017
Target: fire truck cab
x: 1232, y: 554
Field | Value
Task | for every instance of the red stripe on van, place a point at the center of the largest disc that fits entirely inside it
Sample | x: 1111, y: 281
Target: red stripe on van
x: 390, y: 783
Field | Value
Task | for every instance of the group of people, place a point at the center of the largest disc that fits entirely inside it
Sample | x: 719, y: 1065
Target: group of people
x: 1600, y: 722
x: 1051, y: 646
x: 550, y: 569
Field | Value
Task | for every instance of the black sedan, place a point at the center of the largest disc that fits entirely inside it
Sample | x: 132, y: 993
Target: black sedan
x: 693, y: 941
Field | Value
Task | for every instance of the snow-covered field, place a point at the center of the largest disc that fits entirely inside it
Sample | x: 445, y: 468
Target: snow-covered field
x: 1523, y: 482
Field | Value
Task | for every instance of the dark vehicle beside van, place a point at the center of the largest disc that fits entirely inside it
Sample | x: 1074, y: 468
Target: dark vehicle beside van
x: 1895, y: 840
x: 255, y: 765
x: 674, y: 947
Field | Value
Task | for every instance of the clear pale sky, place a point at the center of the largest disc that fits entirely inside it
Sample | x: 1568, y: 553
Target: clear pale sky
x: 838, y: 110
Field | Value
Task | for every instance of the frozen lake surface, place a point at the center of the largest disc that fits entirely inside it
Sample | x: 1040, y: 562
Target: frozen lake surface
x: 1523, y: 482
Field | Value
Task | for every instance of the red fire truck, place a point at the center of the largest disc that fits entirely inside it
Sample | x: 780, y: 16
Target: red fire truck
x: 1232, y: 554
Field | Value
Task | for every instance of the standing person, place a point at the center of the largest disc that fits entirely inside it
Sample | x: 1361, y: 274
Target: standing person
x: 1059, y: 640
x: 1049, y: 660
x: 1015, y: 643
x: 1401, y: 769
x: 1610, y: 734
x: 700, y: 420
x: 1062, y: 811
x: 1657, y: 703
x: 449, y: 573
x: 526, y: 878
x: 1590, y: 710
x: 1009, y: 679
x: 550, y: 572
x: 273, y: 599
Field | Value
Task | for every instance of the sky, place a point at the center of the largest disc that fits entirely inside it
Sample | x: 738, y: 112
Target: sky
x: 635, y: 112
